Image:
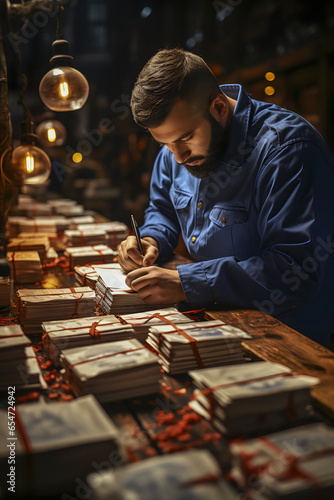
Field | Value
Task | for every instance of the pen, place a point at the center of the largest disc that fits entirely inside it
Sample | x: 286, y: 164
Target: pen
x: 137, y: 234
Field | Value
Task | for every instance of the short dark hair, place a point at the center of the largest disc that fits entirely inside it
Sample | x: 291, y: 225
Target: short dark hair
x: 169, y: 75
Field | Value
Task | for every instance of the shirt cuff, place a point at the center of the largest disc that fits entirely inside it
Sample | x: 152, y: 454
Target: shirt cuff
x: 196, y: 285
x: 165, y: 248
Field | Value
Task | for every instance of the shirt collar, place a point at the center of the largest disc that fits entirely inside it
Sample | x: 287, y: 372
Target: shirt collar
x: 237, y: 138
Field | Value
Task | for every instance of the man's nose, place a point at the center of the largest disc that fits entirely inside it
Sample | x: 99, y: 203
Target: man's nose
x: 181, y: 152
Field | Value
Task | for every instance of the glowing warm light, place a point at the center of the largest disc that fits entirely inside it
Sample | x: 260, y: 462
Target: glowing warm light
x: 270, y: 76
x: 63, y: 90
x: 269, y: 90
x: 77, y: 157
x: 26, y: 164
x: 30, y: 163
x: 52, y: 135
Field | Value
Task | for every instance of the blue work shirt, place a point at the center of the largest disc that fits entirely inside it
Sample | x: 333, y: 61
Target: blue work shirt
x: 261, y: 229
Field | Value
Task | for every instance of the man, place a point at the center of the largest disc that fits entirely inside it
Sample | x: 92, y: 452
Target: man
x: 249, y: 185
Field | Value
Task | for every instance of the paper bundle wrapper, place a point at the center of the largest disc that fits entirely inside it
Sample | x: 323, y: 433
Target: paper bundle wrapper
x: 183, y: 347
x: 25, y: 266
x: 294, y: 464
x: 88, y: 275
x: 88, y: 237
x: 40, y: 245
x: 116, y: 231
x: 112, y: 371
x: 186, y: 475
x: 69, y: 210
x: 252, y: 397
x: 98, y: 254
x: 60, y: 335
x: 80, y: 220
x: 40, y: 305
x: 114, y: 296
x: 62, y: 203
x: 31, y: 208
x: 55, y: 445
x: 50, y: 224
x: 4, y: 291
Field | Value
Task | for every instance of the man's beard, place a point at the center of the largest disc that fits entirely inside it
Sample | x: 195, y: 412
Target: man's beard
x: 218, y: 146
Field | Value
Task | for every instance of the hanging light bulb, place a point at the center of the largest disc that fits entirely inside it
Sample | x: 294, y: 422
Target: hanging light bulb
x: 63, y: 88
x: 27, y: 164
x: 51, y: 133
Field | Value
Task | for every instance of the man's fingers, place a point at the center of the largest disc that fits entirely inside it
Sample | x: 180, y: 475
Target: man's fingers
x: 151, y: 256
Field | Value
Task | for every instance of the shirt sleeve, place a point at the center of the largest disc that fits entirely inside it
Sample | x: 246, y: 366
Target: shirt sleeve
x: 291, y: 204
x: 160, y: 219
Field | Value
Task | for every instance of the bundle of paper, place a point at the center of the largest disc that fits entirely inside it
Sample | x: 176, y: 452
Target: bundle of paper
x: 31, y: 209
x: 99, y: 254
x: 52, y: 237
x: 113, y: 295
x: 252, y: 397
x: 69, y: 210
x: 62, y: 203
x: 76, y: 237
x: 54, y: 445
x: 111, y: 371
x: 12, y: 355
x: 141, y: 322
x: 116, y: 231
x: 186, y: 475
x: 292, y: 464
x: 88, y: 275
x: 4, y: 291
x: 25, y: 267
x: 76, y: 221
x: 31, y: 374
x: 40, y: 245
x: 39, y: 305
x: 59, y: 335
x: 51, y: 224
x: 13, y: 225
x: 196, y: 345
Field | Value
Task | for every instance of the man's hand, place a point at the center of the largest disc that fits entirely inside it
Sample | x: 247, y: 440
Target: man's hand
x: 156, y: 285
x: 129, y: 256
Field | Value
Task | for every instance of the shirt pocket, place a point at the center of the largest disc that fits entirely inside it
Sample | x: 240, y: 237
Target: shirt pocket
x: 230, y: 227
x: 181, y: 204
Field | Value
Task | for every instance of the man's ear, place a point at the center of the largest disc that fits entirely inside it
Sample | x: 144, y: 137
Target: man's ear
x: 219, y: 109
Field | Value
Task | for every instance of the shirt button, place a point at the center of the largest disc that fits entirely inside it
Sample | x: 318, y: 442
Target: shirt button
x: 199, y: 204
x: 193, y: 239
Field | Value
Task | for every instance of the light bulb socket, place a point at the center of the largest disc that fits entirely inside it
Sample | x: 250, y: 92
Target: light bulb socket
x: 61, y: 54
x: 27, y: 135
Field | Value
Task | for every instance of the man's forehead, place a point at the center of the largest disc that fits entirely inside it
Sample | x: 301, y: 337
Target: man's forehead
x: 182, y: 119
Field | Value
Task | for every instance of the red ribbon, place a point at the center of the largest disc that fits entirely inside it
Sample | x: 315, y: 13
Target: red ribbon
x: 76, y: 301
x: 185, y: 335
x: 106, y: 356
x: 22, y: 432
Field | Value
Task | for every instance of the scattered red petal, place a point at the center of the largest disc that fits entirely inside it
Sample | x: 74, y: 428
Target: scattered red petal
x: 66, y: 387
x: 151, y: 452
x: 180, y: 391
x: 53, y: 395
x: 55, y: 386
x: 184, y: 437
x: 32, y: 396
x: 66, y: 397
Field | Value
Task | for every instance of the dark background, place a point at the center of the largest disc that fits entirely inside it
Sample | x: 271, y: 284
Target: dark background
x: 111, y: 40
